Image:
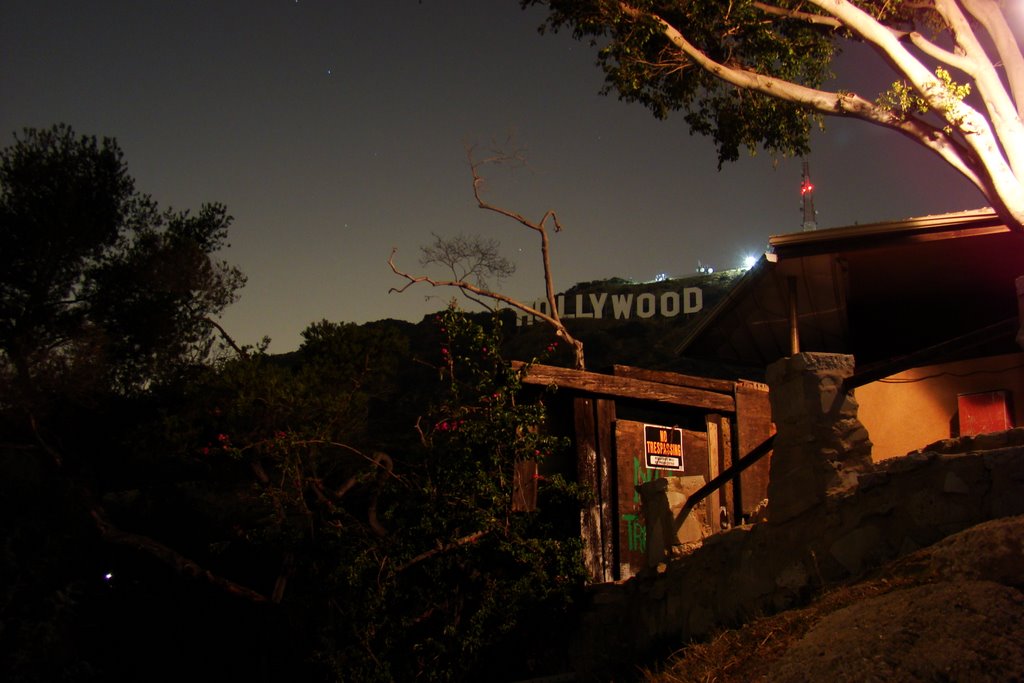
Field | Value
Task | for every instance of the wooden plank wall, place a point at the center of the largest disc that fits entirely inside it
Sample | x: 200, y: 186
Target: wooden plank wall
x: 609, y: 452
x: 754, y: 425
x: 632, y: 471
x: 720, y: 458
x: 615, y: 386
x: 595, y: 448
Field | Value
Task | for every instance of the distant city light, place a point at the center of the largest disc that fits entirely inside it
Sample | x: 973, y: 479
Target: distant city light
x: 661, y: 277
x: 749, y: 261
x: 706, y: 270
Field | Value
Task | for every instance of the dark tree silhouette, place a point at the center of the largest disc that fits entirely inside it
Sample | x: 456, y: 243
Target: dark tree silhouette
x: 99, y: 287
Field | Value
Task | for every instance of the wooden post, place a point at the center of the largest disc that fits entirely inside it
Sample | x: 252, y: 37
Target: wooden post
x: 524, y: 486
x: 594, y: 420
x: 713, y: 423
x: 587, y: 473
x: 794, y: 320
x: 728, y: 497
x: 604, y: 410
x: 753, y: 425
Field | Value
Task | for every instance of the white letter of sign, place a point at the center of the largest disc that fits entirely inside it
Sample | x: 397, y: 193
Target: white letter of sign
x: 645, y: 305
x: 670, y: 304
x: 621, y: 303
x: 693, y: 300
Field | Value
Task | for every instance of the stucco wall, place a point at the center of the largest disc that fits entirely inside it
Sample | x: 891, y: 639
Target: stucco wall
x: 905, y: 411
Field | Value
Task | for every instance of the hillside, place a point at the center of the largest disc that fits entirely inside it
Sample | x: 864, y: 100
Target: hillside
x: 638, y: 324
x: 951, y: 612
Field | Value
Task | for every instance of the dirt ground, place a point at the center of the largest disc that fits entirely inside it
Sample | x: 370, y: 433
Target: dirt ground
x: 951, y: 612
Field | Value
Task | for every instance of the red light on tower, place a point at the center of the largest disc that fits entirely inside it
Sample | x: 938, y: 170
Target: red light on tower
x: 807, y: 193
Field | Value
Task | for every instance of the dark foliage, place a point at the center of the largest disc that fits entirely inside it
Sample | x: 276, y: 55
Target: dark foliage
x: 344, y: 513
x: 99, y: 289
x: 266, y: 473
x: 641, y: 66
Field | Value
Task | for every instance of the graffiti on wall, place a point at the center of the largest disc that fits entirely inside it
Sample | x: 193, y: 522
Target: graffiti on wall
x: 636, y: 533
x: 636, y: 530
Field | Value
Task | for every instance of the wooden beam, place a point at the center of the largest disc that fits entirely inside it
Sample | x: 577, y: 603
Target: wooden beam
x: 626, y: 387
x: 731, y: 472
x: 674, y: 378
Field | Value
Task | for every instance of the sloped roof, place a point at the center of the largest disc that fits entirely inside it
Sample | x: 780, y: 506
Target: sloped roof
x: 877, y: 291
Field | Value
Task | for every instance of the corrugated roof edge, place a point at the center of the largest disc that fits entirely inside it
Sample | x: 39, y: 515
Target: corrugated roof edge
x: 982, y: 218
x: 962, y: 220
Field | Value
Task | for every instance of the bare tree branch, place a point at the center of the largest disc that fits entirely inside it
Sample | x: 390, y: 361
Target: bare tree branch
x: 469, y: 258
x: 458, y: 543
x: 168, y: 556
x: 540, y: 227
x: 552, y: 320
x: 226, y: 337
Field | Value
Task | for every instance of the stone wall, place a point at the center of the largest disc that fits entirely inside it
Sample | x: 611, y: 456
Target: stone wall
x: 832, y: 516
x: 820, y: 445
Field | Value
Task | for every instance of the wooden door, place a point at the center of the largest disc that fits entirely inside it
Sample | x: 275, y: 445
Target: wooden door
x: 632, y: 470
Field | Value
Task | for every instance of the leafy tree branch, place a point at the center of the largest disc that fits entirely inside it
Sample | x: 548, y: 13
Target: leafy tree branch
x: 750, y: 73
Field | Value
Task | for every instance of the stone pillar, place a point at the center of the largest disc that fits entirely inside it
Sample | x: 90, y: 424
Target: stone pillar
x: 820, y: 445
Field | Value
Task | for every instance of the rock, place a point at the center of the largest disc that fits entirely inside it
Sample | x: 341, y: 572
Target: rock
x: 950, y: 631
x: 992, y: 551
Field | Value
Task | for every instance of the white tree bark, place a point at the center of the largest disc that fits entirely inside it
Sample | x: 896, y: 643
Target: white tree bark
x: 995, y: 177
x: 986, y: 147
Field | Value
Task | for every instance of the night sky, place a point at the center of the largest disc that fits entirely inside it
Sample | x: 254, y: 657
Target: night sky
x: 336, y: 130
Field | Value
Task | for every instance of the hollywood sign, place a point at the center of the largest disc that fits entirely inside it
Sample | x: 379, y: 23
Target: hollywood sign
x: 622, y: 306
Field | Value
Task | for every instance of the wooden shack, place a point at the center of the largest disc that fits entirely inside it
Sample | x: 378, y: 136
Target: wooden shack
x: 718, y: 420
x: 928, y: 308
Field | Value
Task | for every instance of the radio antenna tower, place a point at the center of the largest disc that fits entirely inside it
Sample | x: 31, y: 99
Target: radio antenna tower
x: 807, y: 197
